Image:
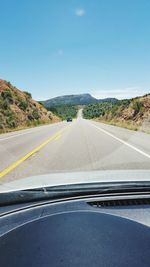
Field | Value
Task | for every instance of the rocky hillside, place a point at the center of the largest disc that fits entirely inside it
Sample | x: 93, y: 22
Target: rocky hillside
x: 131, y: 113
x: 18, y: 109
x: 79, y: 99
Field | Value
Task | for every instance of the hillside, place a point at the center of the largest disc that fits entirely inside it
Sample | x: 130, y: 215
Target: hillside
x: 130, y: 113
x: 79, y: 99
x: 18, y: 109
x: 64, y: 112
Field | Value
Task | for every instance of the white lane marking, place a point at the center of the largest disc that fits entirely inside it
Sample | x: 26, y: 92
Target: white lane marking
x: 27, y: 132
x: 123, y: 142
x: 12, y: 136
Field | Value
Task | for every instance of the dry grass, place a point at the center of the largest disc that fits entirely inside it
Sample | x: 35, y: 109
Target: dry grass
x: 127, y: 124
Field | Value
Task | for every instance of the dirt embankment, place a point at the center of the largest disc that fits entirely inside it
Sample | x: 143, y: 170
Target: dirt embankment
x: 18, y: 109
x: 129, y: 113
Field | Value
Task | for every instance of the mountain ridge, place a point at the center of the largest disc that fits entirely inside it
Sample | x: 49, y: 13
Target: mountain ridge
x: 75, y: 99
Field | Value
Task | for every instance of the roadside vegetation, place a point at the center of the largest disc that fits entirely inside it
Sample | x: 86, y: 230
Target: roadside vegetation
x: 132, y: 113
x: 64, y: 112
x: 18, y: 110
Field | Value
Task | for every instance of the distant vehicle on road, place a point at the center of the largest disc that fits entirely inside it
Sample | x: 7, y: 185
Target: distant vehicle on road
x: 69, y: 119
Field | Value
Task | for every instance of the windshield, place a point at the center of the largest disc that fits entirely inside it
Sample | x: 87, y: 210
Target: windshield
x: 74, y: 91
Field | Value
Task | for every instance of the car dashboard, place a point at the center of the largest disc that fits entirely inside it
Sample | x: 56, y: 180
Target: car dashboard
x: 90, y: 231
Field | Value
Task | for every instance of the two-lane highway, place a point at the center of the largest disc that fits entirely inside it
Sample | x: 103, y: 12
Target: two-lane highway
x: 82, y: 145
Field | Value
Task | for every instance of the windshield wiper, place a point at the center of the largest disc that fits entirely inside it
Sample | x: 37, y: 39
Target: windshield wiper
x: 70, y: 191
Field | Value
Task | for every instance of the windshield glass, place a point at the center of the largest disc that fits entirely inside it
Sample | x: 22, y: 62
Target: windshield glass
x: 74, y: 91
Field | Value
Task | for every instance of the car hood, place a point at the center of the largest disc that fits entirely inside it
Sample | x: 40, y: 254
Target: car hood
x: 57, y: 179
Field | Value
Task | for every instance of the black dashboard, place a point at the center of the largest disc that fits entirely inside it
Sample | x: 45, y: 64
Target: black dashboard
x: 74, y: 233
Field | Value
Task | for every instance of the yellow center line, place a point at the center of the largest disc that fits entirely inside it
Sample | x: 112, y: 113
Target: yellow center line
x: 18, y: 162
x: 58, y: 136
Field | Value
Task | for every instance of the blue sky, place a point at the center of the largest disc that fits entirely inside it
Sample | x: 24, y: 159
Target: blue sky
x: 57, y: 47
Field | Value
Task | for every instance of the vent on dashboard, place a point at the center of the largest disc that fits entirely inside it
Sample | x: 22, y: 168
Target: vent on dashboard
x: 120, y: 202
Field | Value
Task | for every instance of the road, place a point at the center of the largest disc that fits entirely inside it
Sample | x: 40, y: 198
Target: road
x: 81, y: 145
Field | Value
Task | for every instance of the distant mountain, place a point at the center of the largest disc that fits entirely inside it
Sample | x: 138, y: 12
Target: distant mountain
x: 80, y: 99
x: 108, y: 100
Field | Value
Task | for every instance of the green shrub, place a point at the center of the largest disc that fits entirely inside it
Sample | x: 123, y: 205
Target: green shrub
x: 7, y: 95
x: 28, y: 94
x: 11, y: 123
x: 10, y: 119
x: 23, y: 105
x: 41, y: 103
x: 30, y: 117
x: 35, y: 114
x: 137, y: 106
x: 8, y: 84
x: 5, y: 104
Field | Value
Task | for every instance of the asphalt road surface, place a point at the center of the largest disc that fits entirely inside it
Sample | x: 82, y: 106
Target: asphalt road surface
x: 81, y: 145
